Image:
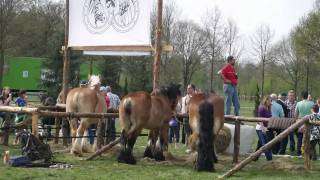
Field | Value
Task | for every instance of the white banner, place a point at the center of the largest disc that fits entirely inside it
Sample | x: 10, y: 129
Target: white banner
x: 116, y: 53
x: 109, y: 22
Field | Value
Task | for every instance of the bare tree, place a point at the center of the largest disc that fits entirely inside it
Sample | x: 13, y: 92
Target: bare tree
x: 8, y: 10
x: 170, y: 17
x: 189, y: 42
x: 215, y: 38
x: 287, y: 64
x: 261, y: 44
x: 233, y: 45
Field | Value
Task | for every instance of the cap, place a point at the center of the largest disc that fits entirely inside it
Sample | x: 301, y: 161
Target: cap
x: 83, y: 82
x: 102, y: 88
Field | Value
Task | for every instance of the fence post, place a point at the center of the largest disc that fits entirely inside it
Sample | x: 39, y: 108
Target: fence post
x: 236, y: 141
x: 306, y: 144
x: 100, y: 132
x: 35, y: 118
x: 57, y: 123
x: 4, y: 137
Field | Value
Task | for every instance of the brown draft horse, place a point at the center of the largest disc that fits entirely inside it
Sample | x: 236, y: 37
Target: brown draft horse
x: 84, y: 100
x: 206, y: 118
x: 140, y: 110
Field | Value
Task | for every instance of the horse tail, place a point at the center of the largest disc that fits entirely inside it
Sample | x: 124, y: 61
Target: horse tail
x: 127, y: 107
x: 205, y: 145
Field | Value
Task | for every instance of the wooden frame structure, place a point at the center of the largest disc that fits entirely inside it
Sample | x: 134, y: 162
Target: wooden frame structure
x: 158, y: 49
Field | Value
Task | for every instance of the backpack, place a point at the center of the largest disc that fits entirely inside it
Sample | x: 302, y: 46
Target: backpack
x: 33, y: 148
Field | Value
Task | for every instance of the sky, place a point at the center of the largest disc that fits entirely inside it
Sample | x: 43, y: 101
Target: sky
x: 280, y: 15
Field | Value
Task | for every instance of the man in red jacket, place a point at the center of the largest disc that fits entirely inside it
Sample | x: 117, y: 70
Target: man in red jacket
x: 230, y: 81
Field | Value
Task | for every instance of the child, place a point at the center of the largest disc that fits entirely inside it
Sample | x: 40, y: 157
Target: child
x: 21, y: 101
x: 314, y: 132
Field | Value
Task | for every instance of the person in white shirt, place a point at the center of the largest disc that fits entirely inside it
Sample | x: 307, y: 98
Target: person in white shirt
x: 186, y: 130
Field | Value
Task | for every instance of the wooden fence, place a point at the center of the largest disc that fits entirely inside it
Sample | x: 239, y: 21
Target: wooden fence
x: 43, y: 111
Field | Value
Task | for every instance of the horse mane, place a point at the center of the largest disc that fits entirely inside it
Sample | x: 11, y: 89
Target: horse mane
x: 172, y: 91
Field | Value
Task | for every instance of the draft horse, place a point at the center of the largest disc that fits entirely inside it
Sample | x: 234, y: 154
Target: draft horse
x: 139, y: 110
x: 84, y: 100
x: 206, y: 118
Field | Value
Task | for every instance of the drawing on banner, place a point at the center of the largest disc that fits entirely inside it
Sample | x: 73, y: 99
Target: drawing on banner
x: 100, y: 15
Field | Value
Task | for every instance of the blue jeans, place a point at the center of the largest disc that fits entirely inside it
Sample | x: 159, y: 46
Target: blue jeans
x: 299, y: 143
x: 264, y: 140
x: 292, y: 142
x: 231, y: 96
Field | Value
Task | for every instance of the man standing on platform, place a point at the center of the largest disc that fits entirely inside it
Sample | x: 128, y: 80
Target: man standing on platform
x: 230, y: 81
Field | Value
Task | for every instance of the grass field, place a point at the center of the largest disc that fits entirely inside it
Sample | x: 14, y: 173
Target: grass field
x: 106, y: 167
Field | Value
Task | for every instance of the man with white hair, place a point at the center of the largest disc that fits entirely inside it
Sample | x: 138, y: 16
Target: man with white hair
x: 113, y: 108
x: 276, y: 111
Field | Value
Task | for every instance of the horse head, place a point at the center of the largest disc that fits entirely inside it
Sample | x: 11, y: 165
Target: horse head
x: 172, y: 92
x: 94, y: 82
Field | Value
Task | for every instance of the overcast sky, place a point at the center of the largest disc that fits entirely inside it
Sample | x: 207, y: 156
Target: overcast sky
x: 280, y: 15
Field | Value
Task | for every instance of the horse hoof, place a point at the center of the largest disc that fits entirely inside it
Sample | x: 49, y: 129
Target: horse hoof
x: 127, y: 160
x: 76, y: 152
x: 148, y: 153
x: 159, y: 156
x: 207, y: 169
x: 87, y: 149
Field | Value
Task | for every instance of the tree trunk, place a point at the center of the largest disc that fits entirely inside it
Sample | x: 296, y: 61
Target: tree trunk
x: 211, y: 74
x: 262, y: 81
x: 1, y: 59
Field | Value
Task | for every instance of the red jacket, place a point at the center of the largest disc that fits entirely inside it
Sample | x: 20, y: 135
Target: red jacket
x: 107, y: 99
x: 229, y: 73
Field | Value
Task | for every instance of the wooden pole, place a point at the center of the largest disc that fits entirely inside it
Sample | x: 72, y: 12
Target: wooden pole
x: 236, y: 141
x: 104, y: 149
x: 264, y: 148
x: 58, y: 127
x: 66, y: 57
x: 306, y: 145
x: 157, y: 57
x: 100, y: 132
x: 35, y: 118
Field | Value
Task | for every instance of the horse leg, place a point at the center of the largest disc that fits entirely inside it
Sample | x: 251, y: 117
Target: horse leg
x: 73, y: 127
x: 215, y: 157
x: 161, y: 144
x: 127, y: 142
x: 150, y: 145
x: 76, y: 146
x: 85, y: 144
x: 193, y: 141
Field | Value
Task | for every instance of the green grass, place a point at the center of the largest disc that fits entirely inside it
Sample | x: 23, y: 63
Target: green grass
x: 106, y: 167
